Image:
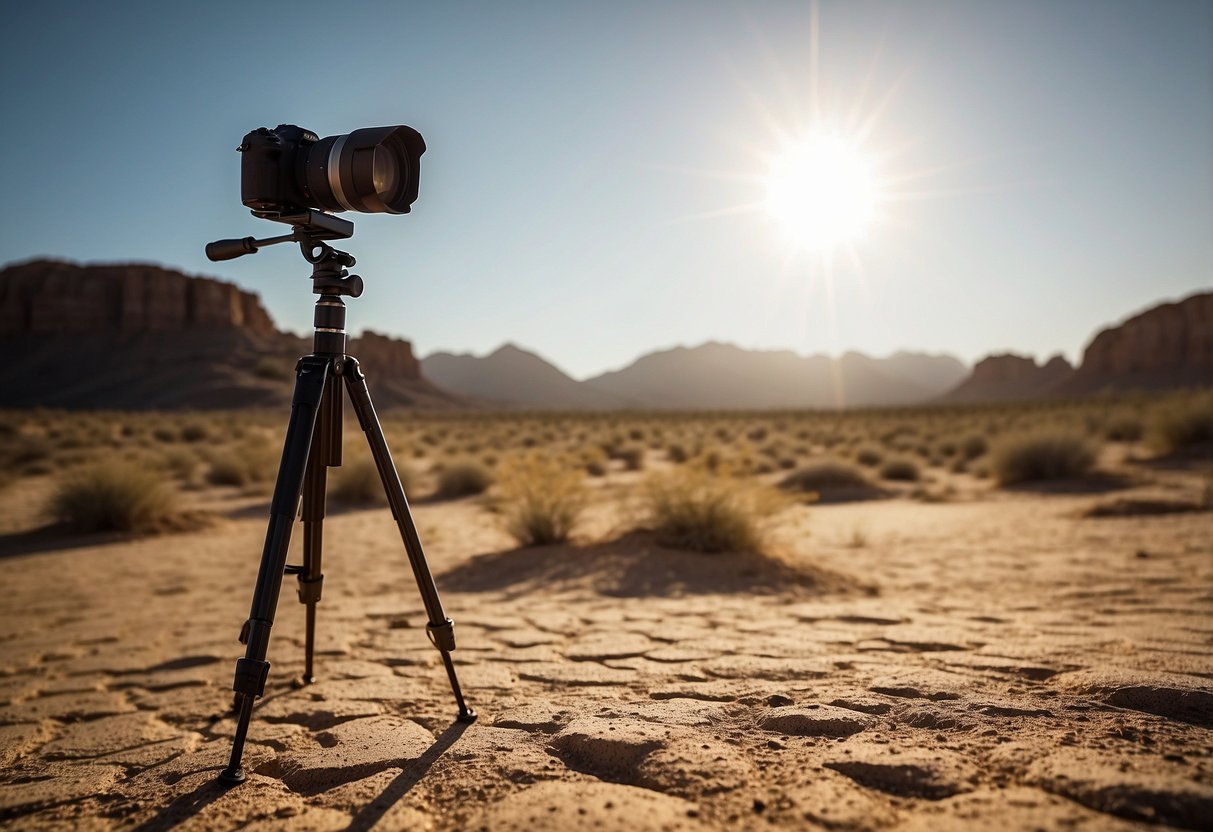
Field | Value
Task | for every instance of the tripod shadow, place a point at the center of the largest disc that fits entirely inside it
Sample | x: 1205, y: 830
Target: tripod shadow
x: 395, y: 791
x: 54, y: 538
x: 185, y: 806
x: 636, y: 566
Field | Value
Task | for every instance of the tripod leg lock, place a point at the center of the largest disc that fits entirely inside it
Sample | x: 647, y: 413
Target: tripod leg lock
x: 442, y: 635
x: 309, y: 591
x: 250, y: 677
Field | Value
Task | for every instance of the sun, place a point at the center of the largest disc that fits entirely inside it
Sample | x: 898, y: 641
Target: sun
x: 822, y: 189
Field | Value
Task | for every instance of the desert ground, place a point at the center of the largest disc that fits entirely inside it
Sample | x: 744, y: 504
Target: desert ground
x: 929, y: 641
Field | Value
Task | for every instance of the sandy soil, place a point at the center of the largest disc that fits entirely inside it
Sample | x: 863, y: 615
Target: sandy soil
x: 1001, y: 662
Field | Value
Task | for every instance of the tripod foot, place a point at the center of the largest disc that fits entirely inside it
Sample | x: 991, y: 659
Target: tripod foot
x: 467, y: 715
x: 232, y: 776
x: 303, y: 681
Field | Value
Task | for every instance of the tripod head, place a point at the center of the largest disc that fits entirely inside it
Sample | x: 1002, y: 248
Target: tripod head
x: 310, y: 229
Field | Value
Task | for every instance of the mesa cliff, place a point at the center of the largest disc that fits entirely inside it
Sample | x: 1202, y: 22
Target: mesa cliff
x: 135, y: 336
x: 1170, y: 345
x: 1166, y: 346
x: 56, y: 297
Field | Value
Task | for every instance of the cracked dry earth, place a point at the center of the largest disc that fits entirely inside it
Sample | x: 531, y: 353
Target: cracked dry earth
x: 995, y: 664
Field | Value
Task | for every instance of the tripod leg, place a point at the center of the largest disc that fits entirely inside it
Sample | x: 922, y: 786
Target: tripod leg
x: 253, y: 669
x: 440, y: 628
x: 325, y: 452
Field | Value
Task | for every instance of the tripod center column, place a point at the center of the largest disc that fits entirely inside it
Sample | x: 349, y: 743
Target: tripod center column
x: 330, y: 326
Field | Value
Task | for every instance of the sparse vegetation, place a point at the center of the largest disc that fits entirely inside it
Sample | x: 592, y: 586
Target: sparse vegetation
x: 694, y: 509
x: 900, y: 468
x: 463, y: 478
x: 828, y: 479
x: 250, y: 462
x: 1182, y: 423
x: 1041, y: 455
x: 540, y: 499
x: 1123, y: 427
x: 114, y: 497
x: 357, y: 483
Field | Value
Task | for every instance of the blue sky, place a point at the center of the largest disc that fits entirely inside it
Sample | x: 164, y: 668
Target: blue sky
x: 1053, y: 163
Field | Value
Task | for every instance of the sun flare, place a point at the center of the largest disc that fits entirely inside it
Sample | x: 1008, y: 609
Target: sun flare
x: 823, y: 190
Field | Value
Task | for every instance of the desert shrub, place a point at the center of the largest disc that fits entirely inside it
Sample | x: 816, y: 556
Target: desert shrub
x: 974, y: 445
x: 249, y: 463
x: 677, y: 452
x: 632, y: 456
x: 115, y: 497
x: 1181, y: 424
x: 869, y: 455
x: 194, y: 433
x: 900, y: 468
x: 180, y: 462
x: 595, y: 462
x: 1123, y: 427
x: 270, y: 367
x: 695, y: 509
x: 1042, y: 454
x: 462, y: 478
x: 540, y: 499
x: 357, y: 483
x: 822, y: 475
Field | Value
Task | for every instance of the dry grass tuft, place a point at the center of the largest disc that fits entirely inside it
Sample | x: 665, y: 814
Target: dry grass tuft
x: 694, y: 509
x: 1182, y: 424
x: 463, y: 478
x: 116, y: 497
x: 900, y: 468
x: 825, y: 476
x: 1041, y: 455
x: 540, y: 499
x: 357, y: 483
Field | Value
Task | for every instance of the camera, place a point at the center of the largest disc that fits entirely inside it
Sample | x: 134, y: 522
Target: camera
x: 289, y: 169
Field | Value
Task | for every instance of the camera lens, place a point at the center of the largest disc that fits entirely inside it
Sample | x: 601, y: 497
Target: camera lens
x: 386, y: 172
x: 373, y: 170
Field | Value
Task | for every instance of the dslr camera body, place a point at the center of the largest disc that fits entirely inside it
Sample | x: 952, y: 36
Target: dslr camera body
x: 290, y: 169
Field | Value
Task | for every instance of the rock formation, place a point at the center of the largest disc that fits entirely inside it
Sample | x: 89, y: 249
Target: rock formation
x: 1170, y: 345
x: 49, y: 296
x: 141, y: 336
x: 382, y: 355
x: 1009, y: 377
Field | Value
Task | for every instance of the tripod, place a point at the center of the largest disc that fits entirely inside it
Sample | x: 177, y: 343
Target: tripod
x: 312, y: 446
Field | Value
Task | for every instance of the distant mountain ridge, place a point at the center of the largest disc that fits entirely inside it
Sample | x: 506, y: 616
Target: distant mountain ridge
x: 712, y: 376
x: 513, y: 376
x: 130, y: 336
